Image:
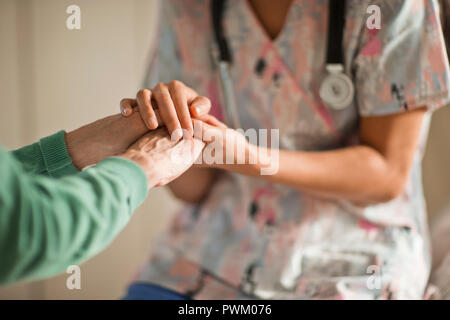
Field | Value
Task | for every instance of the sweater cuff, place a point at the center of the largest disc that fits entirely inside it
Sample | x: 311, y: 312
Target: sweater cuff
x: 131, y: 174
x: 56, y: 158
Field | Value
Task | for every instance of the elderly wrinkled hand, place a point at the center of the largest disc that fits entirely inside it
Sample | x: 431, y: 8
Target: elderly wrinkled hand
x: 162, y: 158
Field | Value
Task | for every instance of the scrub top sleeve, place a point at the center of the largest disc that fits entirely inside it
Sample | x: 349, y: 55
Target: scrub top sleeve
x: 165, y: 63
x: 403, y: 65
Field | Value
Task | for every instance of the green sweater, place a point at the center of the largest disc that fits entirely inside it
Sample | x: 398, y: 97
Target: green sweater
x: 52, y: 215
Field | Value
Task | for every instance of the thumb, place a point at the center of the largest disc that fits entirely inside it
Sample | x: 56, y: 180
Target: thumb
x: 213, y: 121
x: 198, y: 128
x: 207, y: 132
x: 200, y: 106
x: 202, y: 130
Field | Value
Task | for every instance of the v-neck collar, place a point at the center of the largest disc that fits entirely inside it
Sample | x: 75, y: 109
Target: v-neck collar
x: 258, y: 25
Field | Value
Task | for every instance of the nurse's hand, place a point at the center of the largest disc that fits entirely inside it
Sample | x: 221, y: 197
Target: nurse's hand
x: 161, y: 158
x: 171, y: 104
x: 225, y: 148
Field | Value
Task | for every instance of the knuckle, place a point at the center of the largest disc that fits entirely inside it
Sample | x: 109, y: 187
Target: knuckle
x: 145, y: 110
x: 205, y: 100
x: 160, y: 86
x: 176, y: 84
x: 142, y: 93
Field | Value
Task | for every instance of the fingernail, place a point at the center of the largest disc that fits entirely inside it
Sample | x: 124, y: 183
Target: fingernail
x: 196, y: 111
x: 154, y: 122
x: 123, y: 111
x: 177, y: 134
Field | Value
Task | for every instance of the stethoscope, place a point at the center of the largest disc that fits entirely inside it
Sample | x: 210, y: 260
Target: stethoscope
x: 336, y: 89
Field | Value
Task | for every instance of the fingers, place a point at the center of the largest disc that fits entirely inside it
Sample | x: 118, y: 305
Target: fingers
x: 167, y: 110
x: 144, y: 98
x: 200, y: 106
x: 171, y: 104
x: 180, y: 100
x: 126, y: 106
x: 203, y: 129
x: 206, y: 125
x: 158, y: 118
x: 198, y: 129
x: 209, y: 119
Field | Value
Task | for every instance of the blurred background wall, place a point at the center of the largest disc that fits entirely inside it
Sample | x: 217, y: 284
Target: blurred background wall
x: 52, y: 78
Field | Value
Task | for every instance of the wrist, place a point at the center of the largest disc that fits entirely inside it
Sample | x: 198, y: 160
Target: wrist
x: 54, y: 155
x: 73, y: 147
x: 247, y: 163
x: 253, y: 164
x: 103, y: 138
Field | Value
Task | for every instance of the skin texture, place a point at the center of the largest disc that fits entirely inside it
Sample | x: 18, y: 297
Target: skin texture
x: 152, y: 150
x: 171, y: 104
x: 374, y: 171
x: 103, y: 138
x: 127, y: 134
x: 162, y: 158
x: 179, y: 97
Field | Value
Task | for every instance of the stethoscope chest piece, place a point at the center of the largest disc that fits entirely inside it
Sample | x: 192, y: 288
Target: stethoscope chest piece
x: 337, y: 89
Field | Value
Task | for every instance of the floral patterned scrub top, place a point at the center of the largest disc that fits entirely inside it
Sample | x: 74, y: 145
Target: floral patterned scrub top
x: 254, y: 239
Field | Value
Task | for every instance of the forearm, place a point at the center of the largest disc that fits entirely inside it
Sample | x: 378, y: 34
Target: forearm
x: 359, y: 174
x: 194, y: 185
x: 374, y: 171
x: 103, y: 138
x: 64, y: 153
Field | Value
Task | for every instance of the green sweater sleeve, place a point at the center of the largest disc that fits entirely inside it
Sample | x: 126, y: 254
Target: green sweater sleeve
x: 47, y: 157
x: 47, y: 224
